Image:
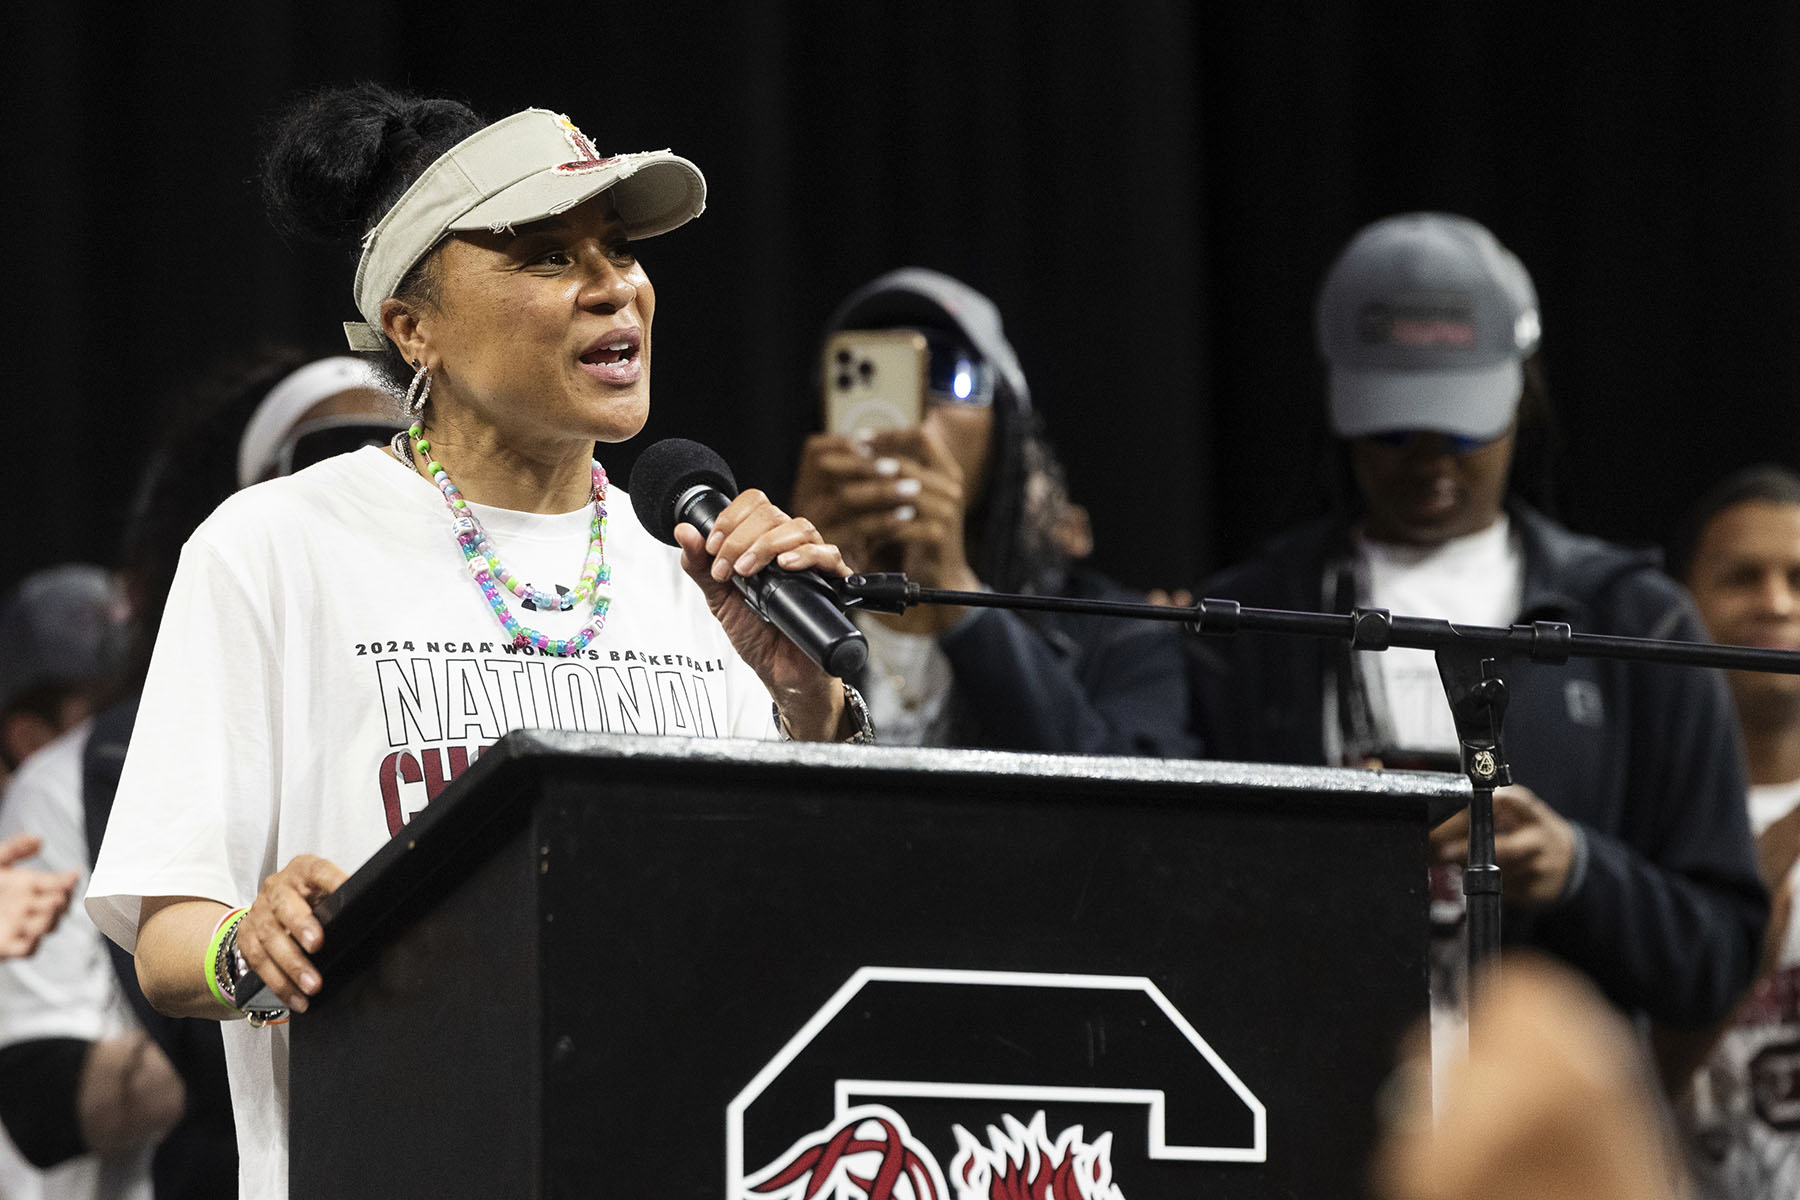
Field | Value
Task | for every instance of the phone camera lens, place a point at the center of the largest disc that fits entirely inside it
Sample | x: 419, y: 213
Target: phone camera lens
x: 843, y: 357
x: 865, y: 368
x: 844, y: 381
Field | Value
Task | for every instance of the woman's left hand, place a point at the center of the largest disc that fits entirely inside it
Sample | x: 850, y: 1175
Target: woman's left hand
x: 749, y: 535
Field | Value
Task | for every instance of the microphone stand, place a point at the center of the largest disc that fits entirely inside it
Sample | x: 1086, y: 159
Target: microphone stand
x: 1468, y: 660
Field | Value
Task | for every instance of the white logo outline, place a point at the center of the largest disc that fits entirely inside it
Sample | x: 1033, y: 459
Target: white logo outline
x: 1154, y: 1100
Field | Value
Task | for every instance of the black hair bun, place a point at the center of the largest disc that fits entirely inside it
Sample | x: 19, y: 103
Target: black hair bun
x: 339, y: 158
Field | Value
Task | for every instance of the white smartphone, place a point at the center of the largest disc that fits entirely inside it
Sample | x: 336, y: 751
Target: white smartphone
x: 874, y: 380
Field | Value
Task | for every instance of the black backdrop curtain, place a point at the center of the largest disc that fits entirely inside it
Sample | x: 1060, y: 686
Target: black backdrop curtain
x: 1150, y: 191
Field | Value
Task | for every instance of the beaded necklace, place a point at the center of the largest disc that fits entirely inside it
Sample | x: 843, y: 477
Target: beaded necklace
x: 485, y: 566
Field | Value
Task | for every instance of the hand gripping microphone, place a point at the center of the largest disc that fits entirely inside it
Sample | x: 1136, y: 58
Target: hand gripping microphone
x: 676, y: 480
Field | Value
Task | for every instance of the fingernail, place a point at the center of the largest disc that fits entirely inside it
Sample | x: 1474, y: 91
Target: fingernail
x: 744, y: 563
x: 907, y: 487
x: 298, y: 1004
x: 714, y: 540
x: 788, y: 559
x: 721, y: 570
x: 309, y: 982
x: 887, y: 466
x: 905, y: 512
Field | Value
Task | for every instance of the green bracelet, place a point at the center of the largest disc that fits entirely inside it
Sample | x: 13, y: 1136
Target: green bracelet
x: 217, y: 982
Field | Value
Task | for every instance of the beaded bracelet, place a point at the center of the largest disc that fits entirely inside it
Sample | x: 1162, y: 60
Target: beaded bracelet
x: 219, y: 979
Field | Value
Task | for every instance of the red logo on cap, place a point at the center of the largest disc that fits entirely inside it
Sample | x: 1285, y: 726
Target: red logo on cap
x: 1421, y: 323
x: 590, y: 159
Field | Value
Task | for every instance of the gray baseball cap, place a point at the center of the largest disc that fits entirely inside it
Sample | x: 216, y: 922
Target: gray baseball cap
x: 1425, y: 319
x: 531, y: 165
x: 919, y: 296
x: 63, y: 624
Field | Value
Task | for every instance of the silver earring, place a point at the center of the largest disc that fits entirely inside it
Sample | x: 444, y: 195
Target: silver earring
x: 419, y: 392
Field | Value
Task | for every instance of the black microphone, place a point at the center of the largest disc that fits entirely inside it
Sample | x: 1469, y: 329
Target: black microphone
x: 676, y: 480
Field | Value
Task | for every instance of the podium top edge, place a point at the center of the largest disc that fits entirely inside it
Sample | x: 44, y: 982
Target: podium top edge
x: 1438, y: 788
x: 488, y: 794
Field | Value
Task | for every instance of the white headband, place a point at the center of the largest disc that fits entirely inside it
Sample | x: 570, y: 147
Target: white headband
x: 288, y: 401
x: 531, y: 165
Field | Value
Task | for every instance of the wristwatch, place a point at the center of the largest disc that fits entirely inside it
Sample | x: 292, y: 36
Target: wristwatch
x: 232, y: 971
x: 862, y: 724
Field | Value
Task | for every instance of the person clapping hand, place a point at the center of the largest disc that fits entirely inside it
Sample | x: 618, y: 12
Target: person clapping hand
x: 31, y: 902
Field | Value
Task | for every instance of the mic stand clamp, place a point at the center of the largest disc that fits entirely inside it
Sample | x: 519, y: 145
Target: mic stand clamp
x: 1477, y: 698
x: 890, y: 592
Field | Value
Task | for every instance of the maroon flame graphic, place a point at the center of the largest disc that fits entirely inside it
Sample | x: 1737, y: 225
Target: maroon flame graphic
x: 868, y: 1155
x: 1022, y: 1163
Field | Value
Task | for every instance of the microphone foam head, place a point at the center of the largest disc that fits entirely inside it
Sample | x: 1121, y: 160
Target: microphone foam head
x: 664, y: 473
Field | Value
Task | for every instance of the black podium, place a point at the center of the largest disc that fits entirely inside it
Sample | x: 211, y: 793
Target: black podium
x: 603, y: 966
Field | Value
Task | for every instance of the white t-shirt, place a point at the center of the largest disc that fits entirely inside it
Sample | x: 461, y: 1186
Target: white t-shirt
x: 326, y: 664
x: 68, y: 988
x: 1741, y: 1117
x: 1477, y: 579
x: 19, y: 1180
x: 908, y: 685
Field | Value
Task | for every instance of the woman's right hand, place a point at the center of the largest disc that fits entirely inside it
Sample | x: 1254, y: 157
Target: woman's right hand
x: 280, y: 933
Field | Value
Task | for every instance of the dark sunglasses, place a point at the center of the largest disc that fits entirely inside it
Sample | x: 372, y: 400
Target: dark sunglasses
x: 955, y: 374
x: 1458, y: 444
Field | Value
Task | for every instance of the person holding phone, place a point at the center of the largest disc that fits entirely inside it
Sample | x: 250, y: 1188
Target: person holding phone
x: 934, y: 463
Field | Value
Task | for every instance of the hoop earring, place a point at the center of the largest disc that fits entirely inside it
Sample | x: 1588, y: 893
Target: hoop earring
x: 416, y: 395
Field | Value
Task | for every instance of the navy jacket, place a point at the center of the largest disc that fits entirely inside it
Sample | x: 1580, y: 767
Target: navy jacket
x: 1070, y: 684
x: 1668, y: 916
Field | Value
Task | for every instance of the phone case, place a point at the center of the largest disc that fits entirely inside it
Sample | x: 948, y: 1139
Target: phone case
x: 874, y: 380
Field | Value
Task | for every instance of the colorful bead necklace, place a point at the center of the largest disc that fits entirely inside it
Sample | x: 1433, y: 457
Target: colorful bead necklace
x: 485, y: 565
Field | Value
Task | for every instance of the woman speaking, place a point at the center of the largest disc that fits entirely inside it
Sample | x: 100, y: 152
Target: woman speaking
x: 340, y: 642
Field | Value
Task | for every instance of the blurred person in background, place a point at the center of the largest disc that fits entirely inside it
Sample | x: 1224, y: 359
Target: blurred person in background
x: 60, y: 638
x: 1738, y: 552
x: 972, y: 497
x: 320, y: 408
x: 60, y: 650
x: 1624, y: 847
x: 1554, y: 1101
x: 107, y: 1097
x: 61, y: 646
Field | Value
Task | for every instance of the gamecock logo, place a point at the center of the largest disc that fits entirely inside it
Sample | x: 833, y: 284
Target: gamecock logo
x: 876, y: 1095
